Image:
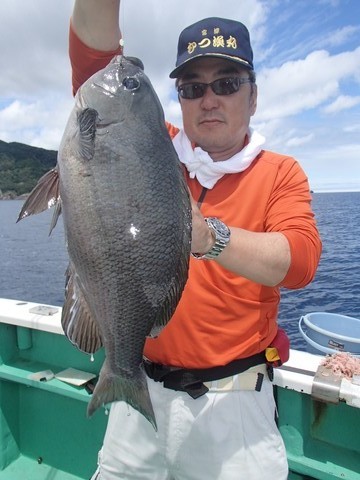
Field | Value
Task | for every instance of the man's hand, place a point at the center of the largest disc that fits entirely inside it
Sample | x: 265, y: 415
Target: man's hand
x: 202, y: 239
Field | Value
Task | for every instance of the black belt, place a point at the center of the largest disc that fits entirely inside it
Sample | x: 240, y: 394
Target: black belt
x: 191, y: 380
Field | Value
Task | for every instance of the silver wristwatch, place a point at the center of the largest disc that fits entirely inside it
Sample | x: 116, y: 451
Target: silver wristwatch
x: 222, y: 238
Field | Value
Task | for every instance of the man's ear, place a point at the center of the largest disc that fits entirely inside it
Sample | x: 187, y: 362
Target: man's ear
x: 253, y: 99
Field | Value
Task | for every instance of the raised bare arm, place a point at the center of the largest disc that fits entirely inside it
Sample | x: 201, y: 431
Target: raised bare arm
x: 96, y: 23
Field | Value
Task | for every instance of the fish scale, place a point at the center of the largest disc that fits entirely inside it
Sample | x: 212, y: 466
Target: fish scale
x: 127, y: 220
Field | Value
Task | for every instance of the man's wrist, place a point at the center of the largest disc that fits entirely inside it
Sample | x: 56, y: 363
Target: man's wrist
x: 221, y: 235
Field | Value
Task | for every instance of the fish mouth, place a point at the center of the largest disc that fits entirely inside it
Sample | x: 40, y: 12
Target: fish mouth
x: 133, y: 60
x: 136, y: 62
x: 105, y: 89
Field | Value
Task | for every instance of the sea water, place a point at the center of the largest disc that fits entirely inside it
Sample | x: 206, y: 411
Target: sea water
x: 33, y: 264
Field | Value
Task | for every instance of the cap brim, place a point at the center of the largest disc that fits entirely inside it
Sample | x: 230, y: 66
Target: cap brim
x: 177, y: 71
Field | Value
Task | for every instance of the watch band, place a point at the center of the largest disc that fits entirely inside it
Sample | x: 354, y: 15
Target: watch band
x: 222, y: 238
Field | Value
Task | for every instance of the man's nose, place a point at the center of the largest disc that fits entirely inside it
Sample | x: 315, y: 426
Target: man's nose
x: 209, y: 100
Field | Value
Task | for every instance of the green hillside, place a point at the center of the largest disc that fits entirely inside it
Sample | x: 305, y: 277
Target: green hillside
x: 21, y: 166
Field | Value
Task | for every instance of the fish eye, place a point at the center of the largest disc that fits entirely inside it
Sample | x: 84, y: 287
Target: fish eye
x: 131, y: 83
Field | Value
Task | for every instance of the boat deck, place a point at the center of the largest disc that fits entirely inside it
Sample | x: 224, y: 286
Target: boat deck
x: 46, y: 435
x: 44, y: 430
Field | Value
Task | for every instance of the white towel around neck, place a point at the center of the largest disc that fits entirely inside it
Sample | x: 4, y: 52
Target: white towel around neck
x: 202, y: 166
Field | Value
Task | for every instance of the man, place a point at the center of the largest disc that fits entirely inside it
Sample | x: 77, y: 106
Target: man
x: 253, y: 231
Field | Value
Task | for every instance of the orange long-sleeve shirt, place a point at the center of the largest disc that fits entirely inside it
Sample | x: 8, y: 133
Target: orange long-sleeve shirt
x: 222, y: 316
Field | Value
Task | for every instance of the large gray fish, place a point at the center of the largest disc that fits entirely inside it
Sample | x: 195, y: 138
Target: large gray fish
x: 127, y: 217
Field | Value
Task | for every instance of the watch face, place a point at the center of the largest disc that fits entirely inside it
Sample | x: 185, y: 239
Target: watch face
x: 220, y: 227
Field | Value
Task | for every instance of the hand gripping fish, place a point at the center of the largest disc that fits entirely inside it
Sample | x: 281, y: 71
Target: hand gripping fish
x: 127, y: 218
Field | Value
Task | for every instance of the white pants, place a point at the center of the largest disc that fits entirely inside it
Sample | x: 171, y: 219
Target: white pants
x: 223, y: 435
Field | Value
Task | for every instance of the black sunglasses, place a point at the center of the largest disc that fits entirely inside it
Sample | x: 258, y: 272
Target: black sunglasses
x: 222, y: 86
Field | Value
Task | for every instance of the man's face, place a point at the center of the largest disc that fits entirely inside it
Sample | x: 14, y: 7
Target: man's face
x: 217, y: 123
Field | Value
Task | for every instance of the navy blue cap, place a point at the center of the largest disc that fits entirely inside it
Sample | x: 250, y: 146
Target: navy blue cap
x: 214, y: 37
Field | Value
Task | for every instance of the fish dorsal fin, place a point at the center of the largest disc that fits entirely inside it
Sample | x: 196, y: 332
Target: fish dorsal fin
x: 44, y: 195
x: 76, y: 320
x: 87, y: 120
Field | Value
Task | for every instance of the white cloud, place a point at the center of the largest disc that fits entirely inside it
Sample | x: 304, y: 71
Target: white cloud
x: 295, y: 98
x: 18, y: 116
x: 34, y: 55
x: 352, y: 128
x: 332, y: 164
x: 298, y: 141
x: 40, y: 123
x: 343, y: 102
x: 303, y: 84
x: 341, y: 36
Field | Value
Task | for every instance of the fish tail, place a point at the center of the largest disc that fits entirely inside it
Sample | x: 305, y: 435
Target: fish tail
x: 134, y: 391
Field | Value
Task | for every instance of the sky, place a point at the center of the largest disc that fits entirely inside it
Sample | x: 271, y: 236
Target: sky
x: 306, y: 57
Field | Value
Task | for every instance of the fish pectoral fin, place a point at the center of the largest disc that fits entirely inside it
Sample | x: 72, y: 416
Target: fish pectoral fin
x: 77, y: 321
x: 162, y: 318
x: 87, y: 120
x: 168, y: 308
x: 156, y: 330
x: 56, y: 215
x: 44, y: 195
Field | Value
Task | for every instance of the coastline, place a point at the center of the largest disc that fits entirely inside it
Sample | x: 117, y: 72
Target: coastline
x: 13, y: 196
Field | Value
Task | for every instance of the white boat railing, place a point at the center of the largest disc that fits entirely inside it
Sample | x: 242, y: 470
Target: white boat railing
x: 300, y: 373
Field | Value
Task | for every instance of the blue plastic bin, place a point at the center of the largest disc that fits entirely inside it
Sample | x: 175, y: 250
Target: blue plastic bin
x: 329, y: 333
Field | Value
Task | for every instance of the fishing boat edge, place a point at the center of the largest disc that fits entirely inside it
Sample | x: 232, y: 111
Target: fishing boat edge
x: 45, y: 384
